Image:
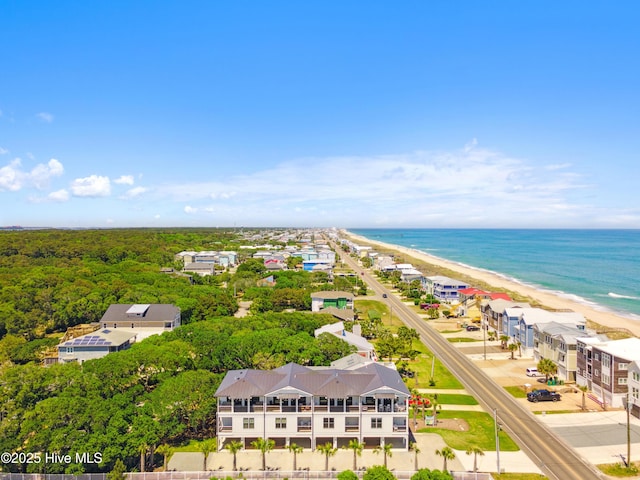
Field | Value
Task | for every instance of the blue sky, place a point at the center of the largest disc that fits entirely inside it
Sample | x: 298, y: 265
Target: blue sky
x: 320, y: 113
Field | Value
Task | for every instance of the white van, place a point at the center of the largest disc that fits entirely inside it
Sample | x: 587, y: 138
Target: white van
x: 532, y: 372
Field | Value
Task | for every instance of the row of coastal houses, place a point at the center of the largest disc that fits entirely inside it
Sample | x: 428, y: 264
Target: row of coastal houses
x: 206, y: 262
x: 317, y: 257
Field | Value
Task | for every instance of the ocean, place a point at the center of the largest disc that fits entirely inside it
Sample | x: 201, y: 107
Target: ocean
x: 596, y: 267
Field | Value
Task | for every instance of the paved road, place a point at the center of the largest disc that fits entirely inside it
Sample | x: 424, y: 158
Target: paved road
x: 556, y: 459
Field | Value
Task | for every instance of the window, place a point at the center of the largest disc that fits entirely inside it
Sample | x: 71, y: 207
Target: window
x: 635, y: 393
x: 376, y: 422
x: 281, y: 422
x: 622, y: 381
x: 606, y: 360
x: 606, y: 379
x: 636, y: 376
x: 352, y: 424
x: 328, y: 422
x: 623, y: 366
x: 596, y: 356
x: 248, y: 423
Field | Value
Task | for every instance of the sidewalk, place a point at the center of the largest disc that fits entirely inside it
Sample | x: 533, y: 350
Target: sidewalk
x: 401, y: 460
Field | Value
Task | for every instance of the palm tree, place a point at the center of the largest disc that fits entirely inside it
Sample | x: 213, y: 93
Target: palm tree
x: 142, y: 450
x: 512, y: 348
x: 503, y: 341
x: 547, y: 367
x: 491, y: 335
x: 328, y: 451
x: 447, y: 454
x: 475, y: 451
x: 166, y: 451
x: 265, y: 445
x: 206, y: 447
x: 413, y: 446
x: 234, y: 446
x: 435, y: 408
x: 295, y: 449
x: 357, y: 447
x: 386, y: 450
x: 584, y: 390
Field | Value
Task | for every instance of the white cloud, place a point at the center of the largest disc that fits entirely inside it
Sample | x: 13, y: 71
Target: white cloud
x: 156, y: 216
x: 44, y: 117
x: 134, y: 192
x: 59, y: 196
x: 418, y: 188
x: 91, y: 186
x: 3, y: 151
x: 13, y: 177
x: 124, y: 180
x: 189, y: 209
x: 558, y: 166
x: 42, y: 174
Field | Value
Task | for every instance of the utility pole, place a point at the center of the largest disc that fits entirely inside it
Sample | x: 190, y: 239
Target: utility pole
x: 497, y: 429
x: 484, y: 339
x: 628, y: 408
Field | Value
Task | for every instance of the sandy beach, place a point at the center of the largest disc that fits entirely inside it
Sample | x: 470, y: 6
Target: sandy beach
x: 548, y: 299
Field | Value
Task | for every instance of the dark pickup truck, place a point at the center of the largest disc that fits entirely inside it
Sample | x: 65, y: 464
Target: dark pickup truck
x: 543, y: 396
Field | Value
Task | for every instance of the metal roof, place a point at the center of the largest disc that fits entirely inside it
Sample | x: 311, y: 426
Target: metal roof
x: 370, y: 379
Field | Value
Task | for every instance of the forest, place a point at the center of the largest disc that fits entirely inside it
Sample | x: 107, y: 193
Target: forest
x: 160, y: 391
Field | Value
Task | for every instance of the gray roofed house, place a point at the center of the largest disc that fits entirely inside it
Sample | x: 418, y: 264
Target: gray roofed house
x: 314, y: 405
x: 95, y: 345
x: 558, y: 342
x: 145, y: 319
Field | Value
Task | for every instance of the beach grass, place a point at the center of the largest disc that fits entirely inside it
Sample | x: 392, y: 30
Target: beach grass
x: 461, y: 340
x: 480, y: 433
x: 619, y: 470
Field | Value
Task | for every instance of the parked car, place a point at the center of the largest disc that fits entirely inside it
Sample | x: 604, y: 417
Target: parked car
x: 384, y: 295
x: 543, y: 396
x: 472, y: 328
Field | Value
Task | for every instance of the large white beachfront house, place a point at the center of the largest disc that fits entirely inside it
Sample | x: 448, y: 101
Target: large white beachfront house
x: 311, y: 406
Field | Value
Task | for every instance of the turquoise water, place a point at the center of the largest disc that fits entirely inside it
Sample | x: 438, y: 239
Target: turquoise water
x: 598, y: 267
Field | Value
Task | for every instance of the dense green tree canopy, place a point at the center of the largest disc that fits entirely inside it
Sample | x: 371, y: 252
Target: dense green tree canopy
x: 160, y: 391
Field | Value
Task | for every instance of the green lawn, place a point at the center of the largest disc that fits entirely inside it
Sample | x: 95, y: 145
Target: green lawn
x: 422, y: 364
x: 462, y: 339
x: 516, y: 391
x: 443, y: 378
x: 619, y: 470
x: 456, y: 399
x: 481, y: 432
